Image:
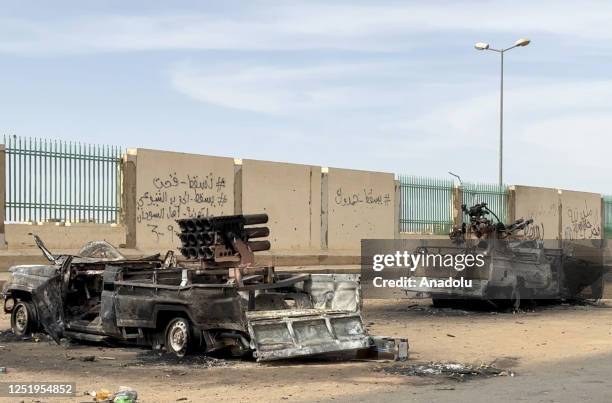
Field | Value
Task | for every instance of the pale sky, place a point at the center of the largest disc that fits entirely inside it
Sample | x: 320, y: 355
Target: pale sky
x: 393, y: 86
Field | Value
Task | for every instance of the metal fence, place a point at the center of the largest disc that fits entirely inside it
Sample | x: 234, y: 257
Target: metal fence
x: 607, y: 215
x: 426, y: 205
x: 496, y: 197
x: 51, y: 180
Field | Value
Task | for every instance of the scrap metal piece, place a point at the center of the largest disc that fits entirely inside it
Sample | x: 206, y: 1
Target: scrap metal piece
x: 389, y: 348
x: 278, y: 335
x: 46, y: 252
x: 50, y: 308
x: 333, y: 324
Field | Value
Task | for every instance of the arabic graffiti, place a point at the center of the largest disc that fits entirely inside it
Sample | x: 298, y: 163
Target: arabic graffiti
x: 583, y: 224
x: 534, y: 232
x: 366, y: 196
x: 543, y: 212
x: 179, y: 196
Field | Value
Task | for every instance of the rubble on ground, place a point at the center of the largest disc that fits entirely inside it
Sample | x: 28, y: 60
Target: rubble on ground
x: 449, y: 370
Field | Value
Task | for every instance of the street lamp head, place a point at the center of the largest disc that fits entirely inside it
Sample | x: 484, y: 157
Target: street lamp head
x: 481, y: 46
x: 522, y: 42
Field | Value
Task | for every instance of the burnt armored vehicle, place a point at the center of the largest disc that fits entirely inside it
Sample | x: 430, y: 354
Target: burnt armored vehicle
x: 515, y: 268
x: 216, y: 298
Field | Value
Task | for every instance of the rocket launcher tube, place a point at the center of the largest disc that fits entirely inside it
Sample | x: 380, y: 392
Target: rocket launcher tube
x: 259, y: 245
x: 257, y: 232
x: 253, y: 219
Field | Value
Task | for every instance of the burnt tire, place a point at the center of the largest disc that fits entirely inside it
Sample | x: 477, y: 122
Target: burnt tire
x: 23, y: 318
x: 178, y: 337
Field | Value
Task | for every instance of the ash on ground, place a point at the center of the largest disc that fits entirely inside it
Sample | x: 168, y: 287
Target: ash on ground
x: 157, y: 358
x: 449, y: 370
x: 9, y: 336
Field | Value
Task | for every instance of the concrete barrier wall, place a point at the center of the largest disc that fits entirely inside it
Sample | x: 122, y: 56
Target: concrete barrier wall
x: 581, y: 216
x: 360, y: 205
x: 291, y: 196
x: 309, y: 210
x: 56, y: 236
x: 173, y: 185
x: 541, y: 204
x: 559, y: 214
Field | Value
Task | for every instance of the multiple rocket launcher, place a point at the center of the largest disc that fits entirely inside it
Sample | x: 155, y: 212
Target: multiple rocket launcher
x: 208, y: 238
x: 202, y: 236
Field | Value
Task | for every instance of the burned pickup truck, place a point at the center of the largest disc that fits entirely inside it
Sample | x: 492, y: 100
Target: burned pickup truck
x: 515, y: 267
x: 214, y: 299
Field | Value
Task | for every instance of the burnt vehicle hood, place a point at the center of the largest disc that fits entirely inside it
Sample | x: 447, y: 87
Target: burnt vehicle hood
x: 29, y: 277
x: 37, y: 270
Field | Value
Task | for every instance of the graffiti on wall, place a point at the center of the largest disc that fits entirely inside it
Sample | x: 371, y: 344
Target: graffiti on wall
x: 175, y: 196
x: 535, y: 232
x: 539, y: 214
x: 364, y: 197
x: 581, y: 223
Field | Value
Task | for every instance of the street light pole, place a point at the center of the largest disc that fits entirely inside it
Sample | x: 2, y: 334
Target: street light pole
x: 501, y: 121
x: 485, y: 46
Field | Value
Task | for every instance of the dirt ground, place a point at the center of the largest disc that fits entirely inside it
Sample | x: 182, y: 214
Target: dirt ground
x: 557, y: 353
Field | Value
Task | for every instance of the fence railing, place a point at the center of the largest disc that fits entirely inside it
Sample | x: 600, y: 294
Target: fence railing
x: 607, y: 214
x: 496, y: 197
x: 51, y: 180
x: 426, y: 205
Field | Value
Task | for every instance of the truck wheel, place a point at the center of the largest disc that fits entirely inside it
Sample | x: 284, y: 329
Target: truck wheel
x: 178, y: 337
x: 23, y: 318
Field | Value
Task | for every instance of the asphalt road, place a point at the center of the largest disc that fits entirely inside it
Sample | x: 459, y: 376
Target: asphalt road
x: 583, y: 380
